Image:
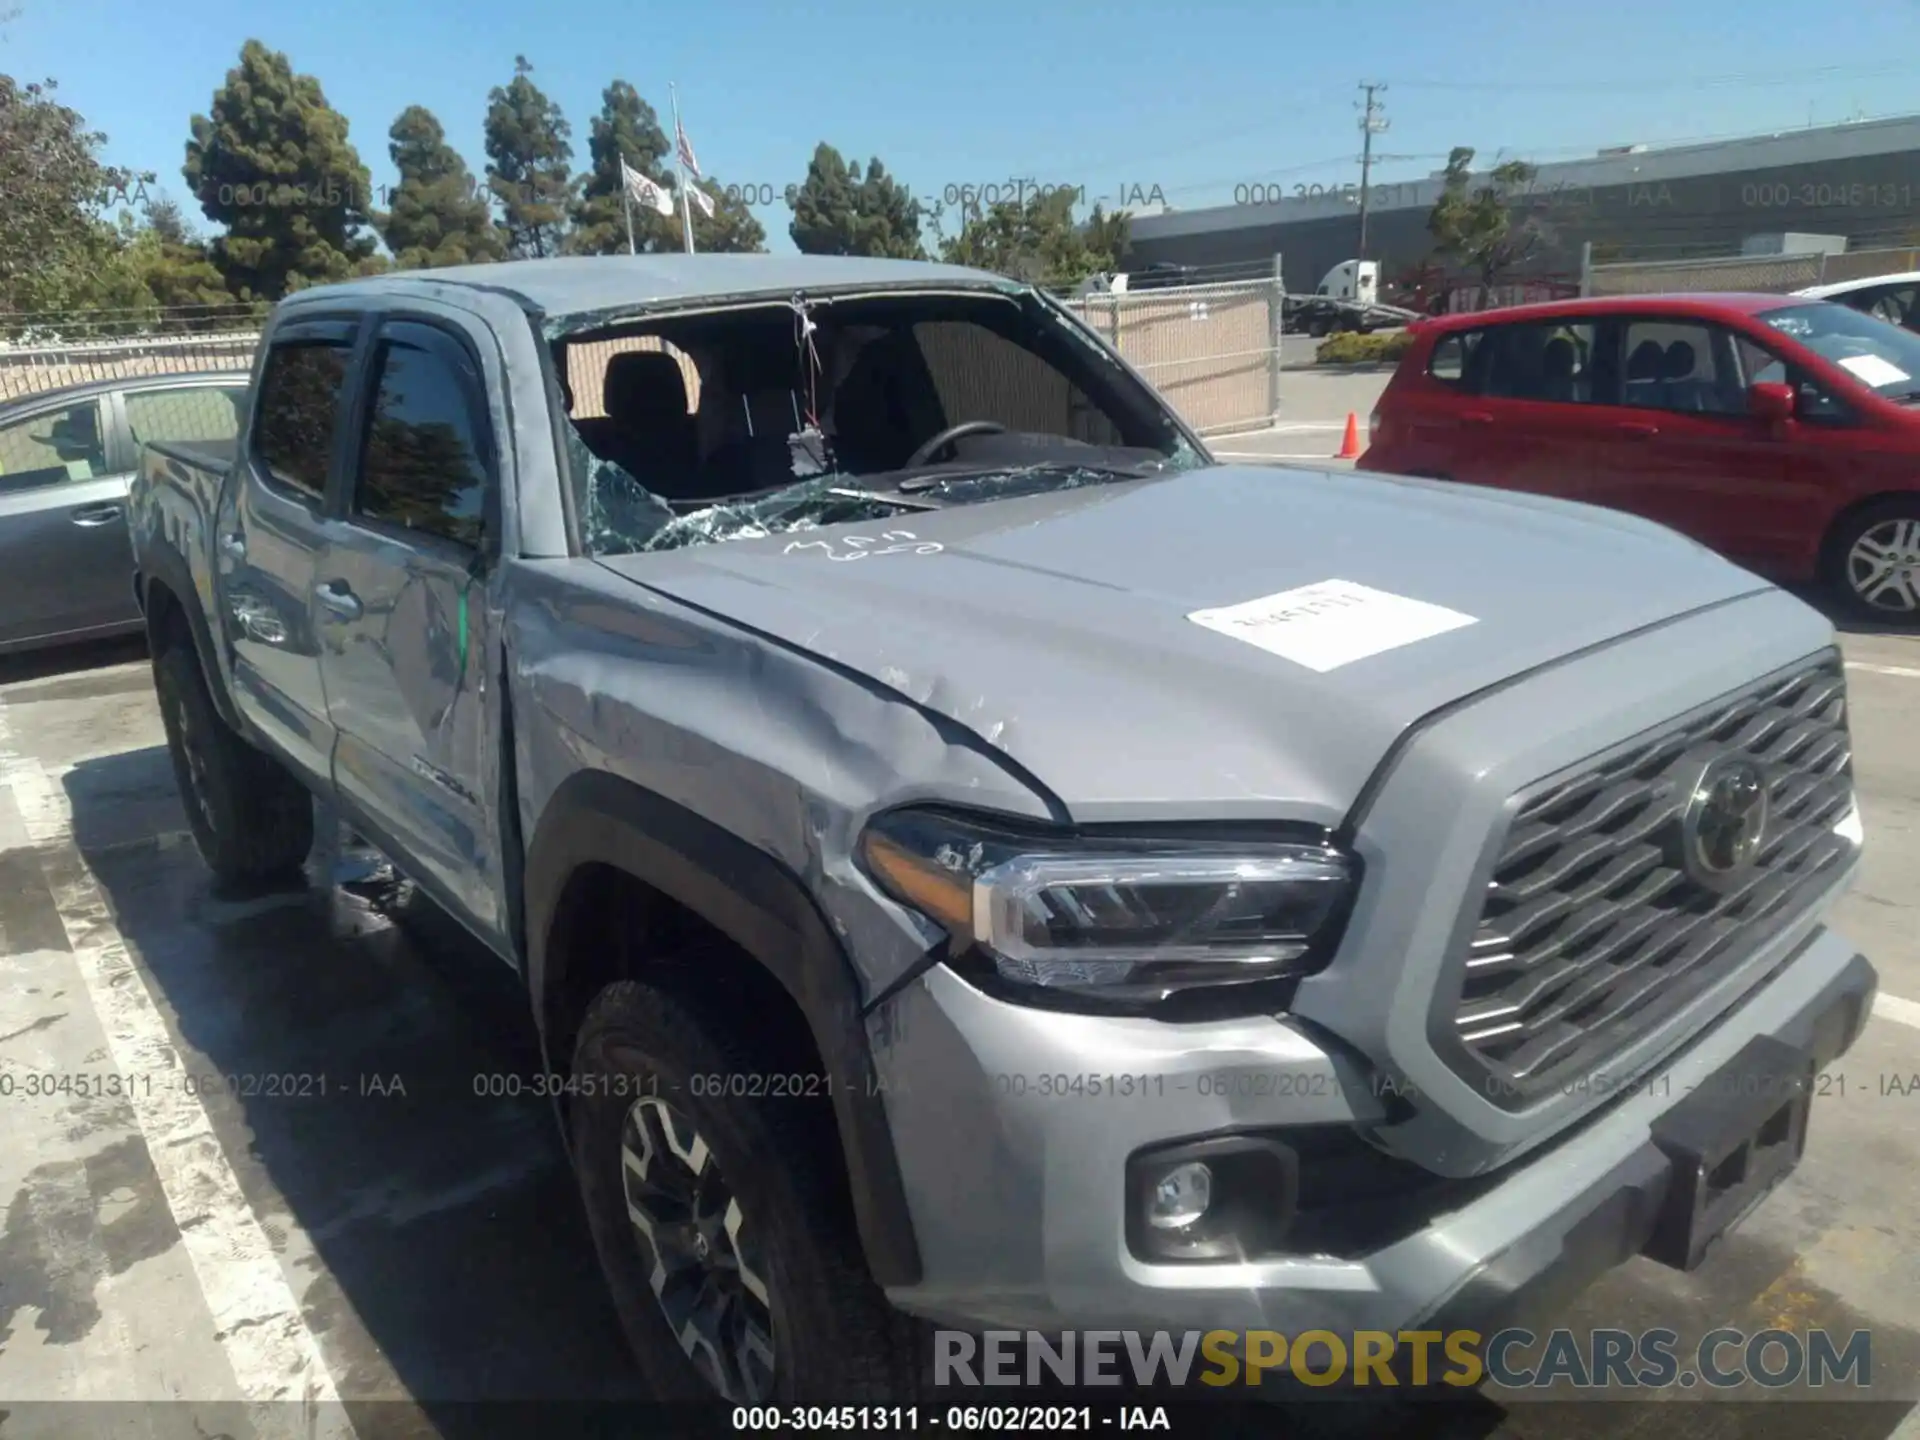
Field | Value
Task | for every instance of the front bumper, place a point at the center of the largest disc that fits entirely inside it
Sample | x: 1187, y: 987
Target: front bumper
x: 1015, y: 1172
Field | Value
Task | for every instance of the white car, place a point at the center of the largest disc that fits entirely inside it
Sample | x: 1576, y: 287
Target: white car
x: 1894, y: 298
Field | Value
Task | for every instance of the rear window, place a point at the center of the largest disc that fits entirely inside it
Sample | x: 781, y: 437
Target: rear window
x: 1452, y: 354
x: 979, y: 375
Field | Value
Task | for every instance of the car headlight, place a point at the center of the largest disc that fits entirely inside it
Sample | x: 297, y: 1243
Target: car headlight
x: 1132, y: 919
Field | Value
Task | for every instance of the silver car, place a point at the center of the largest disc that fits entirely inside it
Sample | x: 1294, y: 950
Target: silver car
x: 66, y: 456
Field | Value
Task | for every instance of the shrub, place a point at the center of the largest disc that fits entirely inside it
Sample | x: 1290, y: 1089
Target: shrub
x: 1352, y: 348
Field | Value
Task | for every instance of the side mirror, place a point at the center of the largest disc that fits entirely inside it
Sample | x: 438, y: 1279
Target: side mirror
x: 1771, y: 401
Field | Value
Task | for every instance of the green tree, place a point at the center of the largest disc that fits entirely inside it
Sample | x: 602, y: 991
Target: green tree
x: 529, y: 151
x: 175, y: 267
x: 1475, y: 223
x: 628, y: 127
x: 54, y: 195
x: 438, y: 214
x: 1036, y: 241
x: 273, y: 164
x: 838, y: 210
x: 732, y: 226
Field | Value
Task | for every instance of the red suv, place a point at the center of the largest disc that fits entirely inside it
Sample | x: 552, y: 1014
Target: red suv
x: 1783, y: 432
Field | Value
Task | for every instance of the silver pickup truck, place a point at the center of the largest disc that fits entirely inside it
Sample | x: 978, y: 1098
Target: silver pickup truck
x: 973, y: 861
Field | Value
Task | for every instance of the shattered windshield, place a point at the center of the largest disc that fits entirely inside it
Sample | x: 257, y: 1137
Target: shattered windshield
x: 815, y: 414
x: 623, y: 517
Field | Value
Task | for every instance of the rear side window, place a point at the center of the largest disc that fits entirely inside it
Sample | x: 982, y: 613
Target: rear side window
x: 420, y: 468
x: 1681, y: 365
x: 300, y: 391
x: 1452, y: 354
x: 187, y: 413
x: 1546, y: 360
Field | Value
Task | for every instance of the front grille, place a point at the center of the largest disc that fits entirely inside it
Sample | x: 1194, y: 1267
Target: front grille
x: 1591, y: 930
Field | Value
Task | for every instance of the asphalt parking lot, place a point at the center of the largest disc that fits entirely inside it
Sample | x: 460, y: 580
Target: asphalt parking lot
x: 279, y: 1168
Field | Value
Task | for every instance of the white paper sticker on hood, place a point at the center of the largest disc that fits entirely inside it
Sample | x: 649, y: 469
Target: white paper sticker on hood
x: 1874, y: 371
x: 1331, y: 623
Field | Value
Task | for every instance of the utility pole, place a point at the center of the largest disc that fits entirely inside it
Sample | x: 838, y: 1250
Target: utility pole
x: 1372, y: 122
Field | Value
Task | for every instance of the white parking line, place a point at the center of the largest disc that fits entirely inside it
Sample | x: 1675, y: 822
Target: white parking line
x: 1903, y: 671
x: 258, y: 1322
x: 1901, y: 1012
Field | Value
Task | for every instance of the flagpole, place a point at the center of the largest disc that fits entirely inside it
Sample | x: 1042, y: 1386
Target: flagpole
x: 680, y: 168
x: 626, y: 205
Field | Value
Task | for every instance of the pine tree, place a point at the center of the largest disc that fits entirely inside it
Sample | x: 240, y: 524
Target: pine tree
x: 437, y: 213
x: 272, y: 163
x: 625, y: 127
x: 529, y: 151
x: 837, y: 210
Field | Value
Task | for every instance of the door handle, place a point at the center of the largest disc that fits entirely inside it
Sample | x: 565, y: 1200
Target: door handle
x: 1638, y: 429
x: 335, y: 595
x: 234, y: 547
x: 90, y: 516
x: 1476, y: 417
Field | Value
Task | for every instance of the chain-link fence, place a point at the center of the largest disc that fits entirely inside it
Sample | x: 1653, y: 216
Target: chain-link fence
x: 1760, y: 274
x: 47, y: 350
x: 1866, y: 264
x: 1214, y: 350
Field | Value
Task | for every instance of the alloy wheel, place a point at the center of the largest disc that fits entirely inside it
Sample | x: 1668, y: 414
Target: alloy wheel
x: 195, y: 755
x: 701, y: 1258
x: 1883, y: 567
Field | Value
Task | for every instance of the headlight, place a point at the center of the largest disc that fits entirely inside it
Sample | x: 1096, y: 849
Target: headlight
x: 1133, y: 919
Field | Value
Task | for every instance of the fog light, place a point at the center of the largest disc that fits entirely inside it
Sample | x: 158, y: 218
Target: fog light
x: 1180, y: 1196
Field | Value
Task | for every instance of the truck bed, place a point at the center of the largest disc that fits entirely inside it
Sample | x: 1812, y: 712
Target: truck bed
x: 213, y: 454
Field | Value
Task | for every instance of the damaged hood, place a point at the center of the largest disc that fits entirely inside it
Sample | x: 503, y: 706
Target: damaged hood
x: 1062, y: 630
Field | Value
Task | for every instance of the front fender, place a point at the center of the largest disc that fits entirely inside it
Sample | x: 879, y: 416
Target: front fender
x: 598, y: 818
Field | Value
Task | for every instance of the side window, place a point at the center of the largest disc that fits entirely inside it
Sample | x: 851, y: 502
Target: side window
x: 1895, y: 305
x: 1452, y: 355
x: 420, y: 466
x: 1543, y: 360
x: 52, y: 448
x: 298, y: 405
x: 1683, y: 365
x: 189, y: 413
x: 1813, y: 403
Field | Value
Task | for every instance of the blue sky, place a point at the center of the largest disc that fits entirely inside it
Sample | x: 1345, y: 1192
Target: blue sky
x: 1194, y: 98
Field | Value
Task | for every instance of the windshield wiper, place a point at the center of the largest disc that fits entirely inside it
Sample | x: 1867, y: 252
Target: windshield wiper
x: 780, y: 496
x: 1104, y: 469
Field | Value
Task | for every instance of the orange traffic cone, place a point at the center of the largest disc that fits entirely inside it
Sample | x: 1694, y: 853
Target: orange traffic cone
x: 1350, y: 444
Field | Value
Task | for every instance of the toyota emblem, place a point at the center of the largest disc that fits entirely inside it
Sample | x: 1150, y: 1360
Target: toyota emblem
x: 1725, y: 822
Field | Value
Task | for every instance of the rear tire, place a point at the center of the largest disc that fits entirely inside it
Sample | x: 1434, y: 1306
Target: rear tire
x: 649, y: 1064
x: 1871, y: 560
x: 251, y: 820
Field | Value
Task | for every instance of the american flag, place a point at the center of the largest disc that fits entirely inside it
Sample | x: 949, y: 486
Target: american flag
x: 685, y: 148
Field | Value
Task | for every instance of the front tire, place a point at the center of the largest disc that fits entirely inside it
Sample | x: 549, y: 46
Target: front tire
x: 1871, y: 562
x: 251, y: 820
x: 720, y: 1217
